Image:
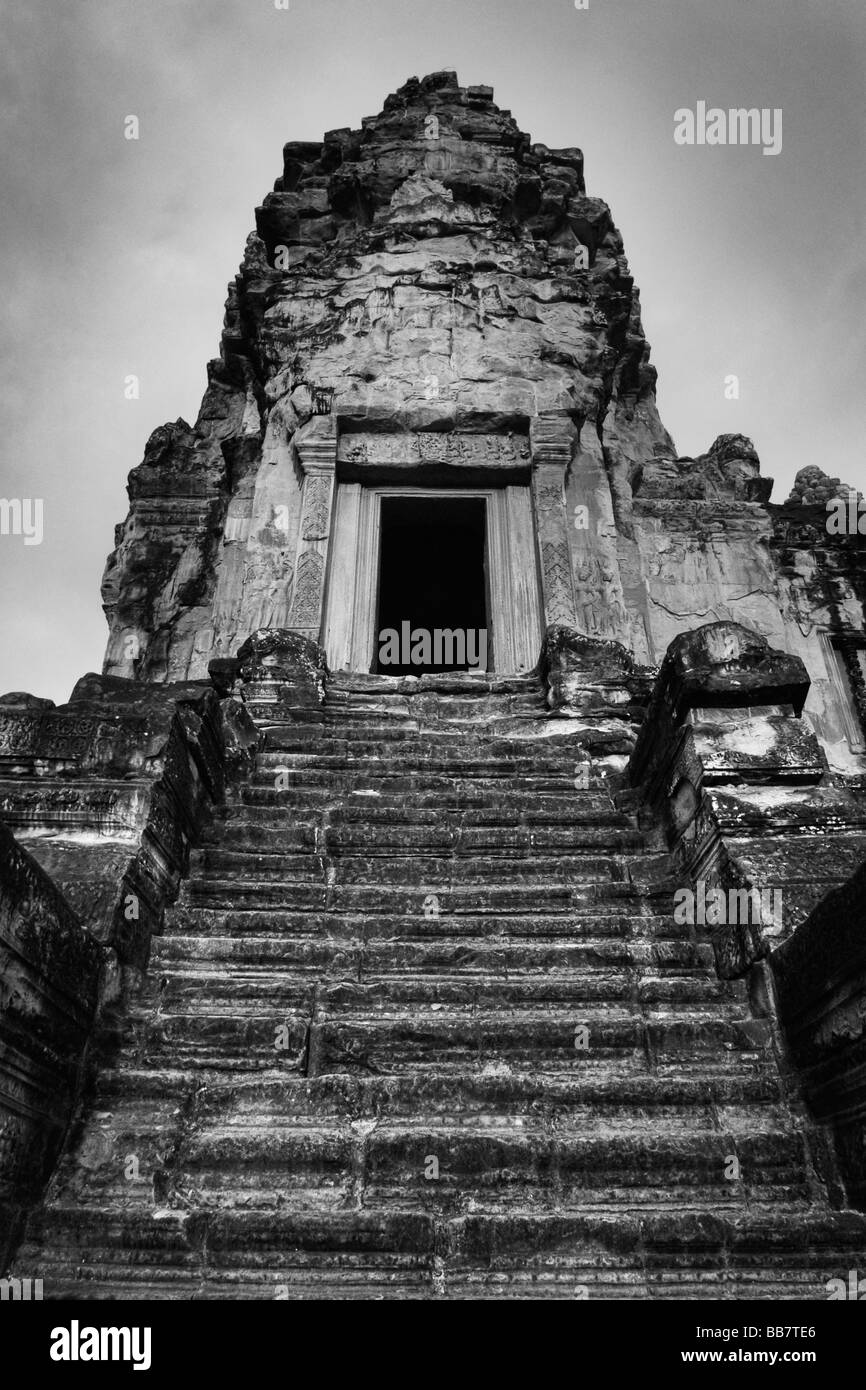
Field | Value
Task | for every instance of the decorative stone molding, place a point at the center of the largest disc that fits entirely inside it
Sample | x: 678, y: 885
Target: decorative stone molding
x: 432, y: 450
x: 309, y: 586
x: 316, y: 445
x: 551, y: 441
x: 317, y: 508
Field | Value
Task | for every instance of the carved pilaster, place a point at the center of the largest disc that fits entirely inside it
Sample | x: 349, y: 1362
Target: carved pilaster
x: 316, y: 443
x: 551, y: 442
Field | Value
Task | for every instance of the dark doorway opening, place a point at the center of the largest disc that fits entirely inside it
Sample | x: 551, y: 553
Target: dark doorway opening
x: 433, y: 581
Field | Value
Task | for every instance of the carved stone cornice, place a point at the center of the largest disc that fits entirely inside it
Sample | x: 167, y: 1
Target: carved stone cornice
x: 316, y: 444
x: 551, y: 440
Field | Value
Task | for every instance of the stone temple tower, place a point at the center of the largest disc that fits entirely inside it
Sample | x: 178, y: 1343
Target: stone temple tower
x: 430, y: 307
x: 450, y: 886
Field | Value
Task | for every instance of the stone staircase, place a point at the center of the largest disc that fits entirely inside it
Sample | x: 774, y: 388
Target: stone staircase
x: 421, y: 1025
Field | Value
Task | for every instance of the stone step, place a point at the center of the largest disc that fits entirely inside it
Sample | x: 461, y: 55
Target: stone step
x: 478, y: 955
x: 499, y: 718
x: 424, y: 787
x: 456, y: 702
x: 372, y: 758
x: 456, y: 705
x: 431, y: 869
x: 351, y: 1033
x: 419, y: 924
x: 470, y: 684
x: 264, y: 1154
x: 497, y: 803
x: 182, y: 983
x: 499, y: 737
x: 329, y: 749
x: 159, y: 1095
x: 233, y: 894
x: 493, y: 1167
x: 387, y: 1040
x: 431, y: 944
x: 394, y: 837
x: 363, y: 809
x: 354, y: 696
x: 488, y: 1167
x: 783, y: 1251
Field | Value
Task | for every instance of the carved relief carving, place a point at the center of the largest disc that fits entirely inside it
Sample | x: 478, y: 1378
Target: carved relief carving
x: 316, y: 444
x: 18, y: 733
x: 317, y: 508
x: 548, y: 496
x: 61, y: 737
x: 556, y: 567
x: 551, y: 442
x: 49, y: 735
x: 597, y: 595
x: 457, y: 450
x: 306, y: 607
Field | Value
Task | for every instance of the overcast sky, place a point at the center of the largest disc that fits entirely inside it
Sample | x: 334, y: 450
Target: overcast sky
x: 116, y: 253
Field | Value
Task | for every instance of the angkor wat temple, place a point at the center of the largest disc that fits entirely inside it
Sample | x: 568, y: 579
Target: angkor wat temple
x: 448, y: 973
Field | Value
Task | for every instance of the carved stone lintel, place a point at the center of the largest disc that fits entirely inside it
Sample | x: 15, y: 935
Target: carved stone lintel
x: 412, y: 450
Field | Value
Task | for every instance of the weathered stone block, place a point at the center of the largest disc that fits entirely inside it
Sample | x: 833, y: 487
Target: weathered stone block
x: 724, y: 712
x: 49, y: 989
x: 290, y: 667
x: 588, y: 673
x: 756, y: 745
x: 110, y: 793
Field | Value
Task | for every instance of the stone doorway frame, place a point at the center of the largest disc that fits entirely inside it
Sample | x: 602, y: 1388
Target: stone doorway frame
x: 514, y: 593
